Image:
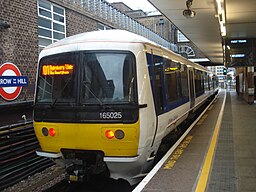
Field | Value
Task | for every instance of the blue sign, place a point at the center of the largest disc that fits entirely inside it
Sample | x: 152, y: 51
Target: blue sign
x: 13, y: 81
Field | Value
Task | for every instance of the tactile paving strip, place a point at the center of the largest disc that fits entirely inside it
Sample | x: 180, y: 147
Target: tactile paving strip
x: 223, y: 177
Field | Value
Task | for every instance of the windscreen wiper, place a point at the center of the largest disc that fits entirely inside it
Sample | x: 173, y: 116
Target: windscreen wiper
x: 56, y: 99
x: 88, y: 88
x: 53, y: 103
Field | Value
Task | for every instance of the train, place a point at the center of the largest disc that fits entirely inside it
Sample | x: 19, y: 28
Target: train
x: 105, y: 100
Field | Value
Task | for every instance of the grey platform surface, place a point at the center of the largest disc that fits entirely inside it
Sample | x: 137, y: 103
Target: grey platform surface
x: 234, y: 162
x: 234, y: 167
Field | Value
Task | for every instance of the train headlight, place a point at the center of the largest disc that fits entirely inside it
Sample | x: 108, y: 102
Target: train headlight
x: 45, y: 131
x: 119, y: 134
x: 109, y: 134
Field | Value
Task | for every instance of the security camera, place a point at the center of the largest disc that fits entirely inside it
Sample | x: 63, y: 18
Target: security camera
x: 4, y: 24
x: 188, y: 13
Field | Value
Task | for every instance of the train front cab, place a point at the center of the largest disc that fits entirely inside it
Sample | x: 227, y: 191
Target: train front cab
x: 72, y: 118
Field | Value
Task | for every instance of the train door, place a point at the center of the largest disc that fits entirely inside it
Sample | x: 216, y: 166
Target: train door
x: 158, y: 84
x: 191, y: 87
x: 155, y: 64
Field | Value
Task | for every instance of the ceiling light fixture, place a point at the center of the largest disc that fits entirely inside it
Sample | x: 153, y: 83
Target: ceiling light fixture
x: 221, y: 17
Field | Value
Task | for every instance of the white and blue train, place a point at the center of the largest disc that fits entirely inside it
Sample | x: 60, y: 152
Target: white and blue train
x: 106, y: 99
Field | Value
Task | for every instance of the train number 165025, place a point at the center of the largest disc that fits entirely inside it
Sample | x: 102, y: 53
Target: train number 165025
x: 111, y: 115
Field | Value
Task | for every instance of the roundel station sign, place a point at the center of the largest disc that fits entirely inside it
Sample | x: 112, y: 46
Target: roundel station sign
x: 11, y: 81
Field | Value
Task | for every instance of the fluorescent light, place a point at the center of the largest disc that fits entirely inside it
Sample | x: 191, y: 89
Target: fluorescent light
x: 223, y: 29
x: 219, y: 8
x: 221, y: 17
x: 199, y: 60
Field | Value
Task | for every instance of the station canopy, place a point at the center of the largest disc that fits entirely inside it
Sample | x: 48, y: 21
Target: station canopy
x: 215, y: 24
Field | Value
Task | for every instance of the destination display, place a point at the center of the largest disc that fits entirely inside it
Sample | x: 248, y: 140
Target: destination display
x: 64, y: 69
x: 240, y: 52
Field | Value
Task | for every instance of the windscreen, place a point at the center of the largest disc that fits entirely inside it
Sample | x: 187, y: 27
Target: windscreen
x: 107, y: 78
x: 57, y: 79
x: 81, y: 78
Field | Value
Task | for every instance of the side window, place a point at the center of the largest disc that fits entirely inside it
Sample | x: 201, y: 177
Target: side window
x: 210, y: 82
x: 205, y: 81
x: 184, y: 82
x: 172, y: 75
x: 199, y: 83
x: 215, y: 82
x: 169, y: 82
x: 202, y: 81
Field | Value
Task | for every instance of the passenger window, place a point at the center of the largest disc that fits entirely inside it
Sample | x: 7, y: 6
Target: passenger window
x: 184, y: 82
x: 206, y: 87
x: 172, y: 74
x: 199, y: 83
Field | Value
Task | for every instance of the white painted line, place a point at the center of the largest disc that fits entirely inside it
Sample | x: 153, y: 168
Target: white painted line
x: 150, y: 175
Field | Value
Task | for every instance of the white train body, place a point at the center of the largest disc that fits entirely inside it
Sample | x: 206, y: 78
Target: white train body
x: 159, y: 112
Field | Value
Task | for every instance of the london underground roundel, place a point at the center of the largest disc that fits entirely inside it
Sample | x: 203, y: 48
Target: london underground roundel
x: 11, y: 81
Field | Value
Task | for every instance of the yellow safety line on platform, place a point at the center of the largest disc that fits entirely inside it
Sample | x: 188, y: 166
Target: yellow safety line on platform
x: 204, y: 175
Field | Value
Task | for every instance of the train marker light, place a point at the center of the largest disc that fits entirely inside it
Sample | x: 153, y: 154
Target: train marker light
x: 73, y: 177
x: 109, y: 134
x: 45, y: 131
x: 119, y: 134
x: 52, y: 132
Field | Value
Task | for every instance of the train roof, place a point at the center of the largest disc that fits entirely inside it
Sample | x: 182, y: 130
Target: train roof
x: 111, y: 36
x: 114, y: 35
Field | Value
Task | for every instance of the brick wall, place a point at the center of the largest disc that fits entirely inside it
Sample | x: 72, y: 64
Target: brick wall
x: 19, y: 43
x: 154, y: 23
x: 78, y: 23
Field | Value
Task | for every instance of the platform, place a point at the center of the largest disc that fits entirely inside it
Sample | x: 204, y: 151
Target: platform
x: 218, y: 154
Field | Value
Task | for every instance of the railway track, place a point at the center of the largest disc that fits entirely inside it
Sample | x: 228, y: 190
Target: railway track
x: 95, y: 185
x: 18, y: 159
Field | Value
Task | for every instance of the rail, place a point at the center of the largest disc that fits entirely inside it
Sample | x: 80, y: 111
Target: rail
x: 105, y: 11
x: 18, y: 159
